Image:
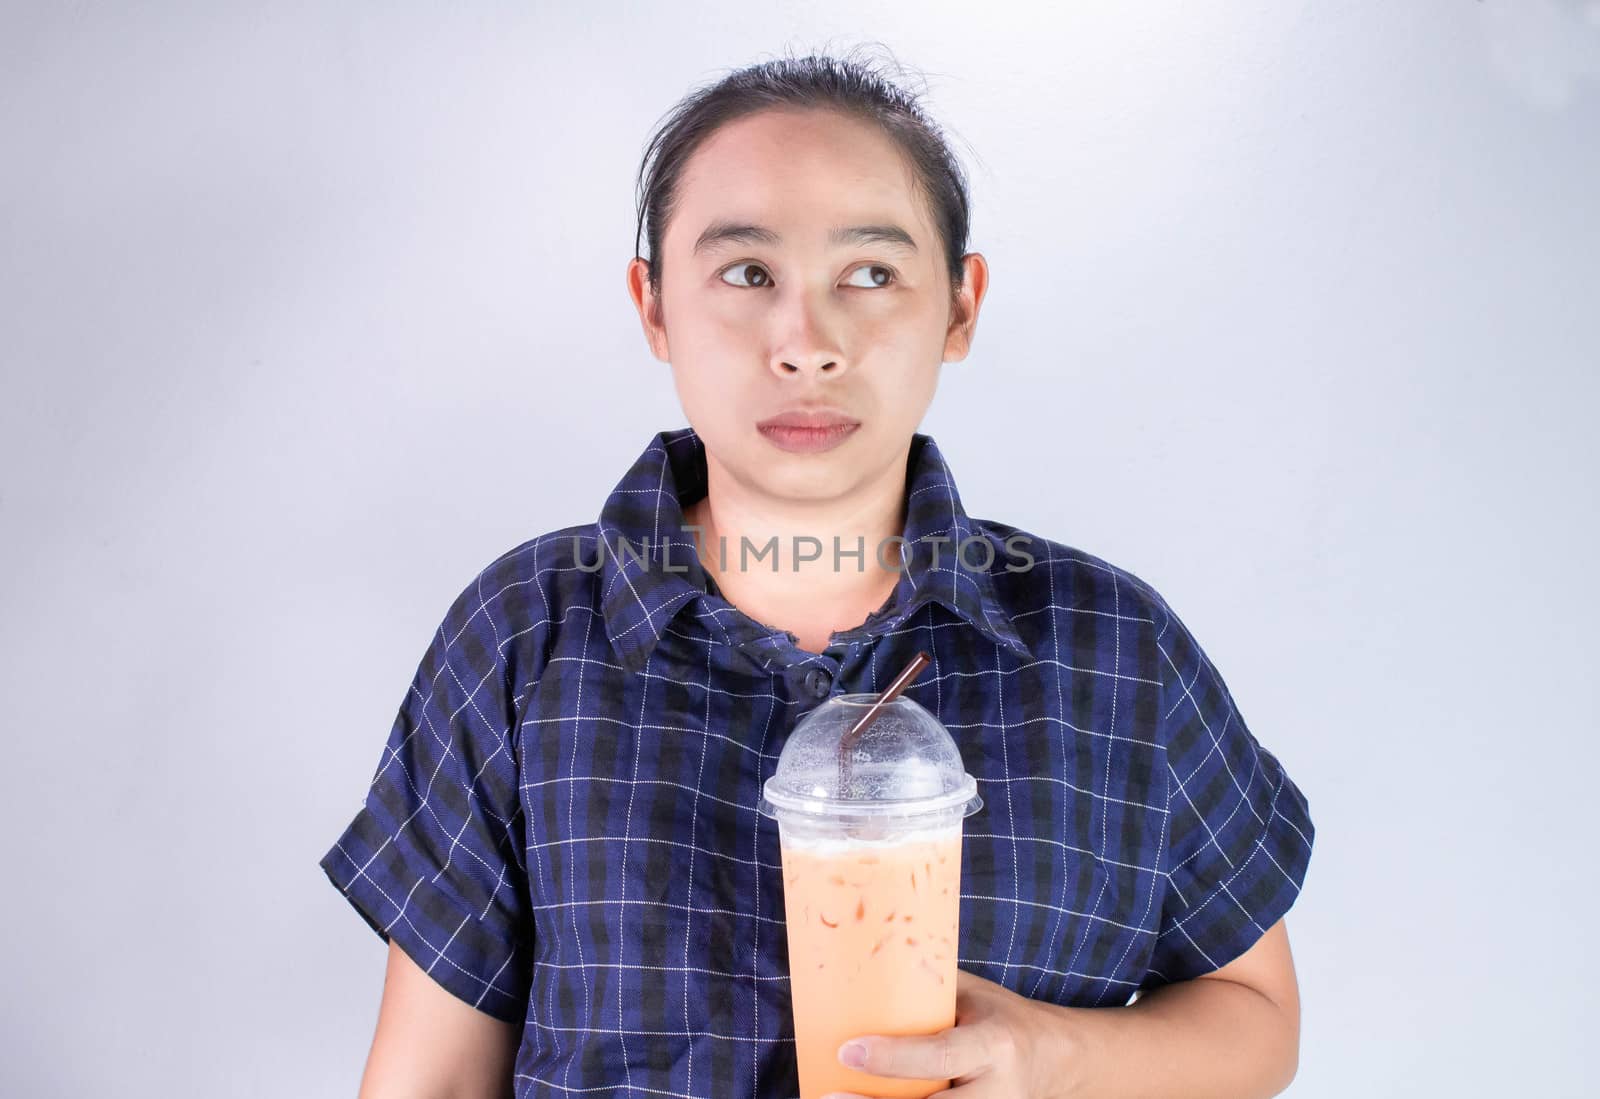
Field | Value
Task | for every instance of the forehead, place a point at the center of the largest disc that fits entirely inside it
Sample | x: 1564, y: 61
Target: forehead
x: 787, y: 168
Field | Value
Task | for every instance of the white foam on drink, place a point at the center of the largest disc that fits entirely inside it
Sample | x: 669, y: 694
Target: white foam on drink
x: 841, y: 844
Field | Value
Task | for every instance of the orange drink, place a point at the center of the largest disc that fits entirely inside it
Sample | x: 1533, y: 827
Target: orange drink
x: 870, y: 797
x: 872, y: 950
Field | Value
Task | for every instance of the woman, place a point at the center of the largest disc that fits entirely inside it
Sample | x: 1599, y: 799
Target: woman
x: 561, y: 845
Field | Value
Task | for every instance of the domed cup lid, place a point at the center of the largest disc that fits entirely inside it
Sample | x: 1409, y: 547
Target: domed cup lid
x: 903, y: 764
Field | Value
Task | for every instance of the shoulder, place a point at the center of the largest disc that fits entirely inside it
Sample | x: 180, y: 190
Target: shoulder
x: 1108, y: 617
x: 1032, y: 572
x: 516, y: 603
x: 553, y: 563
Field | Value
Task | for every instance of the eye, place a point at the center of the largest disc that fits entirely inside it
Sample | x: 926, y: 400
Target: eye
x: 880, y: 275
x: 765, y: 280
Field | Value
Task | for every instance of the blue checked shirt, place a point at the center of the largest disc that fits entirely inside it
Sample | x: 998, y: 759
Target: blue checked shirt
x: 562, y: 829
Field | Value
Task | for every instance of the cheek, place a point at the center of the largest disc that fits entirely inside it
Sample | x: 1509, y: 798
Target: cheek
x: 711, y: 389
x: 914, y: 326
x: 706, y: 332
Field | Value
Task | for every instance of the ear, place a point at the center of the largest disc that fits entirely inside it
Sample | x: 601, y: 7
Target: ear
x: 648, y: 305
x: 964, y: 307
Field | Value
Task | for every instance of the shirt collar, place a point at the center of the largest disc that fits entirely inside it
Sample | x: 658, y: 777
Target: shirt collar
x: 649, y: 571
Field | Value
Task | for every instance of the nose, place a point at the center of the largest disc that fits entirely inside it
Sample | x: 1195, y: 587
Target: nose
x: 805, y: 343
x: 808, y: 366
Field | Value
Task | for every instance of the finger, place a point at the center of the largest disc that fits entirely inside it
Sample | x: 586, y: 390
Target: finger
x: 958, y: 1051
x: 984, y: 1087
x: 977, y: 1089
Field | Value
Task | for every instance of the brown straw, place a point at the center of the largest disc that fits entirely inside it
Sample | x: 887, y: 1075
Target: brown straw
x: 848, y: 742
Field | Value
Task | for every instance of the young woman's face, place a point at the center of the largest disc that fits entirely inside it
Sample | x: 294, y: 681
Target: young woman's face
x: 783, y: 315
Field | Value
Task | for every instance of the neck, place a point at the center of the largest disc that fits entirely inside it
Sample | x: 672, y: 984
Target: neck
x: 798, y: 583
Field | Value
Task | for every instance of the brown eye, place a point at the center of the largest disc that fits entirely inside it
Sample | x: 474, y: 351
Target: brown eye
x: 763, y: 280
x: 879, y: 274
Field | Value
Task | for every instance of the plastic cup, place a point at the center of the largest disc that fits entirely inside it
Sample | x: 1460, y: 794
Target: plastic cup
x: 871, y: 884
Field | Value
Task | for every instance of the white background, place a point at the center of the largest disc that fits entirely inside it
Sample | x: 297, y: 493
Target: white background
x: 306, y: 309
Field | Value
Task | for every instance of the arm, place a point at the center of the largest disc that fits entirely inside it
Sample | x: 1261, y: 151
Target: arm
x: 432, y: 1045
x: 1231, y: 1033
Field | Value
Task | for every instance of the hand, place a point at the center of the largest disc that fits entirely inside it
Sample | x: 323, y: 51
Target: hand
x: 1003, y: 1046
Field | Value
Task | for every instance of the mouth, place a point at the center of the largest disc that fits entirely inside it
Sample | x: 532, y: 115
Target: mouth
x: 808, y: 417
x: 808, y: 430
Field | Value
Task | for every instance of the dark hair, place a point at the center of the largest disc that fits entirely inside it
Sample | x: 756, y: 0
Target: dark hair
x: 846, y: 84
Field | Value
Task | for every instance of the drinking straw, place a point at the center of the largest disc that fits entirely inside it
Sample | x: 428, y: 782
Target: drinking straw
x: 848, y: 742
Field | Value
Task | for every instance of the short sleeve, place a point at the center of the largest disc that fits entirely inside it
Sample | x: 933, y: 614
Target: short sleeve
x: 1239, y: 830
x: 434, y: 858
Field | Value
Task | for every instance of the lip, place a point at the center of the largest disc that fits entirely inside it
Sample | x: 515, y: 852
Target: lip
x: 808, y: 430
x: 808, y: 417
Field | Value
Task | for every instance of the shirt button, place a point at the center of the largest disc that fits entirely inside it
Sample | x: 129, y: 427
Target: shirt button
x: 818, y: 682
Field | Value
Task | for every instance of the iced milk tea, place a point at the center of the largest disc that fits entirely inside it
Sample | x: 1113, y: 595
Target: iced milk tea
x: 872, y: 949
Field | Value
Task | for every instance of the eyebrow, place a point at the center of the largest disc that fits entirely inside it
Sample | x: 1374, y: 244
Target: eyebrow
x: 719, y: 233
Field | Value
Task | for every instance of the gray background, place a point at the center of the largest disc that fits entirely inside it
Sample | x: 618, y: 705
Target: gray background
x: 1293, y: 314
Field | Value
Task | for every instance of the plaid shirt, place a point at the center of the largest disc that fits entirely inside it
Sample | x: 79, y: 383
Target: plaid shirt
x: 562, y: 828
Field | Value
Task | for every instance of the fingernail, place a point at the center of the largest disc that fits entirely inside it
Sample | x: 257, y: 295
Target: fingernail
x: 853, y: 1054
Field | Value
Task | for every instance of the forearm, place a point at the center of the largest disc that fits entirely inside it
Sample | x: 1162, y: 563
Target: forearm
x: 1201, y: 1039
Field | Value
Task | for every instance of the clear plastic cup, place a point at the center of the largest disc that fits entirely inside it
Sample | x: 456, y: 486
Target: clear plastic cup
x: 872, y: 883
